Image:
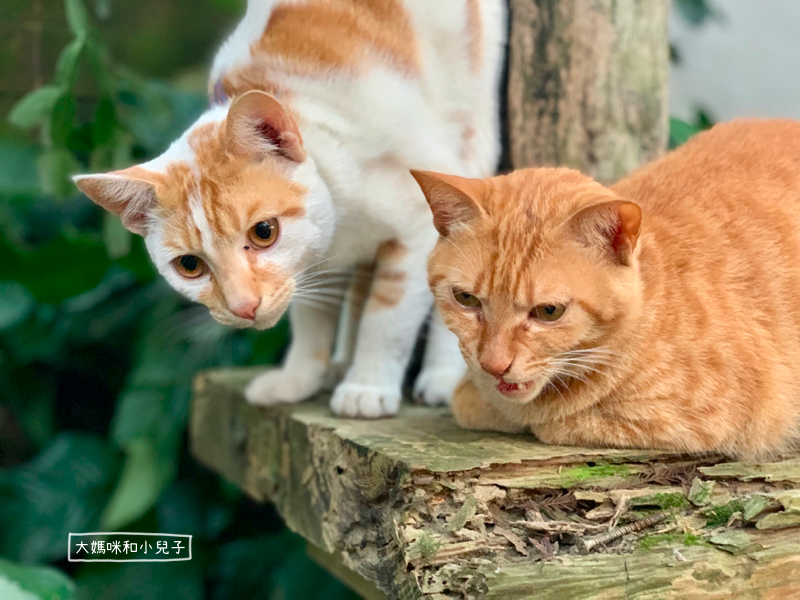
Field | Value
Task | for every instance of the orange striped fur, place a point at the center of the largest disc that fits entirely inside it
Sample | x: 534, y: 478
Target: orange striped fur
x: 682, y: 321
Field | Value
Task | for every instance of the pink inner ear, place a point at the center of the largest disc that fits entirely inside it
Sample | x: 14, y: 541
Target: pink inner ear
x: 620, y: 241
x: 269, y: 132
x: 266, y: 119
x: 626, y: 230
x: 613, y: 225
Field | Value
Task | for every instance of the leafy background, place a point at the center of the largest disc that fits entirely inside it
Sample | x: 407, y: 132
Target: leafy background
x: 97, y: 354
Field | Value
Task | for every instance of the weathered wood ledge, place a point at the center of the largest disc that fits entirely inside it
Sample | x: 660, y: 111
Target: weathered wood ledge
x: 414, y: 507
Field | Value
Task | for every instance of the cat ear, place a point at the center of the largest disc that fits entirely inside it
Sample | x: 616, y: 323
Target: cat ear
x: 614, y: 225
x: 128, y: 194
x: 257, y: 123
x: 453, y: 200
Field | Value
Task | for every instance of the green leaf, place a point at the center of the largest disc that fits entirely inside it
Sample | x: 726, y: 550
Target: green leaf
x: 68, y: 63
x: 145, y: 474
x: 63, y: 120
x: 19, y: 582
x: 156, y: 113
x: 680, y: 132
x: 35, y: 106
x: 16, y: 303
x: 194, y: 505
x: 18, y: 174
x: 95, y: 55
x: 56, y: 167
x: 61, y: 269
x: 696, y: 12
x: 77, y: 17
x: 273, y: 567
x: 140, y: 581
x: 63, y: 490
x: 102, y: 8
x: 116, y: 238
x: 104, y: 122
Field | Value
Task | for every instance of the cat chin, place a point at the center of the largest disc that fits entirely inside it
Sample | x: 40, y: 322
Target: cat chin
x: 263, y: 324
x: 529, y: 392
x: 533, y: 392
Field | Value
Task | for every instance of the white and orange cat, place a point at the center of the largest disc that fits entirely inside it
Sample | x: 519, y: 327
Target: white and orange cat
x: 662, y: 312
x: 301, y: 169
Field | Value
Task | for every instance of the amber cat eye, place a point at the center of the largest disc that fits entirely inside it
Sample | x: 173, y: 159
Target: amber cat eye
x: 549, y: 312
x: 465, y: 299
x: 264, y: 233
x: 190, y: 266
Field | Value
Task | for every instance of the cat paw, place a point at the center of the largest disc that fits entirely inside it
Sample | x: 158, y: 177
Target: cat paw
x: 281, y: 386
x: 365, y: 401
x: 434, y: 387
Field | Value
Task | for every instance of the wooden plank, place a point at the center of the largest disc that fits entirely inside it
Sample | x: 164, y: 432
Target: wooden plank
x: 423, y: 509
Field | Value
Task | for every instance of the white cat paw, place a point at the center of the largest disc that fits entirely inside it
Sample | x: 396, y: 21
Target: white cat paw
x: 435, y: 387
x: 365, y: 401
x: 281, y: 386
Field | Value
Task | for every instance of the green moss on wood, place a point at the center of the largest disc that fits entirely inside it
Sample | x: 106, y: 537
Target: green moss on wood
x: 664, y: 501
x: 428, y: 545
x: 583, y: 474
x: 649, y: 542
x: 720, y: 515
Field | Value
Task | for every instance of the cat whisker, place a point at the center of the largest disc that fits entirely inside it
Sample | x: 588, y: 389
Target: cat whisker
x: 581, y: 366
x: 587, y: 361
x: 572, y: 374
x: 550, y: 383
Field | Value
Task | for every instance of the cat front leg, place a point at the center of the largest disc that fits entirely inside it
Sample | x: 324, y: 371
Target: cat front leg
x: 398, y: 302
x: 303, y: 372
x: 347, y: 330
x: 442, y: 366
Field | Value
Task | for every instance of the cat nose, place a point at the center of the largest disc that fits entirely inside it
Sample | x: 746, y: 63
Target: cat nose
x: 247, y: 309
x: 496, y: 366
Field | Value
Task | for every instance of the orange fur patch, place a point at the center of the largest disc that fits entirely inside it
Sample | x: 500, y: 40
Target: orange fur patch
x: 701, y: 327
x: 315, y: 36
x: 235, y: 192
x: 388, y: 280
x: 474, y: 35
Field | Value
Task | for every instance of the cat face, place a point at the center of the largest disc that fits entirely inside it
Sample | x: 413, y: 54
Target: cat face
x: 231, y: 213
x: 536, y: 273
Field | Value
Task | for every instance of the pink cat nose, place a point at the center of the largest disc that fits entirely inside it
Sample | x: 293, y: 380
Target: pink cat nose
x: 246, y: 310
x: 495, y: 367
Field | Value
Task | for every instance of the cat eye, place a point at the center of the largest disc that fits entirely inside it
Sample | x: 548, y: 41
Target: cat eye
x: 465, y: 299
x: 548, y: 312
x: 264, y: 233
x: 190, y: 266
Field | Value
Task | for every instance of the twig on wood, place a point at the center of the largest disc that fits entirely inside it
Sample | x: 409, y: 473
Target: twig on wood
x: 622, y: 506
x: 585, y: 546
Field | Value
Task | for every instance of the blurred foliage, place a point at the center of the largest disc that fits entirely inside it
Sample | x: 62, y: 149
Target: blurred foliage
x: 97, y: 356
x: 680, y: 131
x: 696, y: 13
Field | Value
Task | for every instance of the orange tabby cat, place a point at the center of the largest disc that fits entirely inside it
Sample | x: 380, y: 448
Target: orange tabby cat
x: 662, y: 312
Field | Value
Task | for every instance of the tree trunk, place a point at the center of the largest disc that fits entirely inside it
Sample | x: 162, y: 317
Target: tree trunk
x: 587, y: 84
x: 415, y: 507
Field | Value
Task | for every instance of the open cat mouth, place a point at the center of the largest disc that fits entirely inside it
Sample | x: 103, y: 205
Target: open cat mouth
x: 518, y: 390
x: 513, y: 389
